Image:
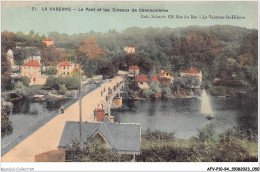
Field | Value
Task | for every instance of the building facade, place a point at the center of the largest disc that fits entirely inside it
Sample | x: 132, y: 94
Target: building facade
x: 129, y: 49
x: 48, y: 42
x: 134, y: 70
x: 32, y: 70
x: 192, y: 72
x: 65, y: 68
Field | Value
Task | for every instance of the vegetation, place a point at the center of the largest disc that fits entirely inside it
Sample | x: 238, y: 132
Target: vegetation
x: 6, y: 110
x: 63, y: 84
x: 234, y: 145
x: 7, y: 42
x: 96, y: 151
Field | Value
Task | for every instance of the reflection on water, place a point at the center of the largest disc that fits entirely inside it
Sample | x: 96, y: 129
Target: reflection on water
x: 183, y: 116
x: 205, y: 104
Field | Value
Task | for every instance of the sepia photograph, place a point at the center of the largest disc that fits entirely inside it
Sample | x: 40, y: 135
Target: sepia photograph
x: 139, y: 81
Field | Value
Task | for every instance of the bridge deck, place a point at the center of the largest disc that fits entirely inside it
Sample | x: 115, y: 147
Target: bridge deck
x: 47, y: 137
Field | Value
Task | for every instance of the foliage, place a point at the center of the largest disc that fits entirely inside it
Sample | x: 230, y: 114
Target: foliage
x: 20, y: 88
x: 146, y: 92
x: 208, y: 133
x: 29, y: 40
x: 52, y: 70
x: 20, y: 54
x: 231, y: 146
x: 71, y: 83
x: 96, y: 151
x: 63, y: 89
x: 51, y: 56
x: 167, y: 92
x: 88, y: 48
x: 7, y: 42
x: 25, y: 80
x: 6, y: 124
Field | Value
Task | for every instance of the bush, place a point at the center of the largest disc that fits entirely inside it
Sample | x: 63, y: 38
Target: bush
x: 63, y: 89
x: 167, y: 92
x: 6, y: 110
x: 20, y: 88
x: 51, y: 71
x: 71, y: 83
x: 146, y: 93
x: 25, y: 80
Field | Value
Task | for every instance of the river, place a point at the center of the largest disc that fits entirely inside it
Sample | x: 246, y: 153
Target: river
x: 183, y: 117
x: 27, y: 113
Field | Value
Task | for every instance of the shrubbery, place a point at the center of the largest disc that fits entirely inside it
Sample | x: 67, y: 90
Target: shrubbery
x: 233, y: 145
x: 70, y: 83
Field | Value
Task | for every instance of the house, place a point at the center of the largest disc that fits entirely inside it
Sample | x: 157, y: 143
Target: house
x: 123, y: 138
x: 129, y: 49
x: 65, y: 68
x: 142, y: 81
x: 134, y: 70
x: 192, y: 72
x: 35, y: 57
x: 48, y: 42
x: 165, y: 78
x: 32, y: 70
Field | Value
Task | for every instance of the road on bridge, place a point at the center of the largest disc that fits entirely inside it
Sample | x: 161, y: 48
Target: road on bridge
x: 47, y: 137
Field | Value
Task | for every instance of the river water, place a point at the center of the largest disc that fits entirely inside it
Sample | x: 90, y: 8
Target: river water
x: 27, y: 113
x: 183, y: 117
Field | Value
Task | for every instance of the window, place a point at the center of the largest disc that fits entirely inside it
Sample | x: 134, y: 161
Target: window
x: 167, y: 74
x: 68, y: 67
x: 68, y: 73
x: 63, y: 67
x: 141, y: 83
x: 63, y: 73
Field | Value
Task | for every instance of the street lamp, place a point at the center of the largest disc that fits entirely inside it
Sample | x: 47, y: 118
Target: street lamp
x: 80, y: 111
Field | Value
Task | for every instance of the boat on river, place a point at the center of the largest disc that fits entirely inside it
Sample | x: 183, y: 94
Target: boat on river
x: 55, y: 97
x: 39, y: 98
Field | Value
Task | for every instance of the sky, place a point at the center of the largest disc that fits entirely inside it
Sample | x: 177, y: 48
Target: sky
x: 19, y: 16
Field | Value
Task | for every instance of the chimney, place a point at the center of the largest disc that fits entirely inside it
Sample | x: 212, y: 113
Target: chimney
x: 101, y: 115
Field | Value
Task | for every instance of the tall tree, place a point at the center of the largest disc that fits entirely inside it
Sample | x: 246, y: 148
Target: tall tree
x: 88, y: 48
x: 7, y: 42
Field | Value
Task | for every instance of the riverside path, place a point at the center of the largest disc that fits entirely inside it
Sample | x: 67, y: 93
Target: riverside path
x: 48, y: 136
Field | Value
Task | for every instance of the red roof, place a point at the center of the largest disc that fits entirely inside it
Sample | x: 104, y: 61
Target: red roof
x: 163, y: 73
x: 65, y: 63
x: 47, y: 40
x: 146, y: 78
x: 33, y: 63
x: 131, y: 46
x: 77, y: 65
x: 134, y: 67
x: 191, y: 70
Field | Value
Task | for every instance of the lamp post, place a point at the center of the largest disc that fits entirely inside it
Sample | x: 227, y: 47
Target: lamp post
x: 80, y: 112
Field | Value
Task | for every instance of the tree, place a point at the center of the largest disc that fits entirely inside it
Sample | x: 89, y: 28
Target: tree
x: 20, y: 54
x: 7, y: 42
x: 19, y: 88
x: 6, y: 124
x: 51, y: 55
x: 88, y: 48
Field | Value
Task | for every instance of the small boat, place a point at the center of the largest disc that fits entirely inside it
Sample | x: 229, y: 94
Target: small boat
x: 58, y: 97
x: 209, y: 117
x: 228, y: 95
x: 39, y: 98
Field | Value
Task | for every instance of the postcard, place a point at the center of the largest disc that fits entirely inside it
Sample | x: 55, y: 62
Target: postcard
x: 141, y: 81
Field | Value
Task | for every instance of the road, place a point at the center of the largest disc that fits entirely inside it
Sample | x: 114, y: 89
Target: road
x: 48, y: 136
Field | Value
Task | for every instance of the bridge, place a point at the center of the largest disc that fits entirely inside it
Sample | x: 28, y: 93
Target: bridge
x: 47, y: 137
